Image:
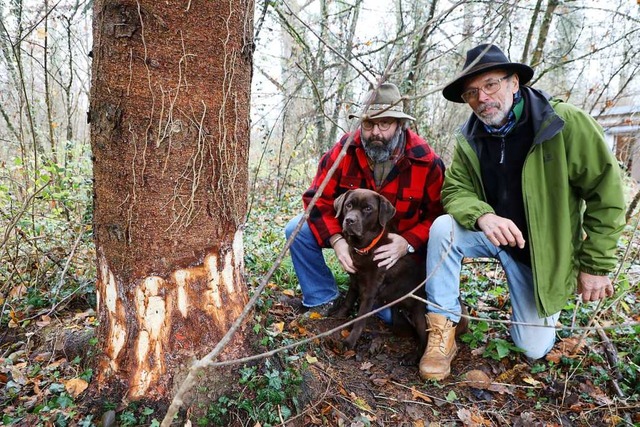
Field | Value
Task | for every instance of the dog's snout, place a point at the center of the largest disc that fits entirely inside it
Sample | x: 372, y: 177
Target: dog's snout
x: 349, y: 221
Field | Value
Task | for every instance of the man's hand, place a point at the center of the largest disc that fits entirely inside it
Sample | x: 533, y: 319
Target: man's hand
x: 594, y: 288
x: 500, y: 231
x: 390, y: 253
x: 341, y: 247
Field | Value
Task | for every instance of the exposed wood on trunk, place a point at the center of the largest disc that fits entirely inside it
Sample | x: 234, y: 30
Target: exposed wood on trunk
x: 170, y: 128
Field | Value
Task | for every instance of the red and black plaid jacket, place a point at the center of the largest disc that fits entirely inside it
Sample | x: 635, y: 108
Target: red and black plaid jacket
x: 412, y: 186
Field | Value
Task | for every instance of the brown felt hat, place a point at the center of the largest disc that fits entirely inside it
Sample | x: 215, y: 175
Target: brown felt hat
x: 387, y: 103
x: 480, y: 59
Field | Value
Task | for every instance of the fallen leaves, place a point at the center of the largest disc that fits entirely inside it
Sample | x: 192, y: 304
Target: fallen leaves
x: 472, y: 418
x: 569, y: 347
x: 480, y: 380
x: 76, y: 386
x: 418, y: 395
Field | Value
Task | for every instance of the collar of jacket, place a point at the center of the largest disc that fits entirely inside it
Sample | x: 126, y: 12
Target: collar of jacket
x: 545, y: 122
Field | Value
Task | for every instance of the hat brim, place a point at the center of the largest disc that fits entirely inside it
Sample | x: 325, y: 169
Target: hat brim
x: 387, y: 113
x: 453, y: 90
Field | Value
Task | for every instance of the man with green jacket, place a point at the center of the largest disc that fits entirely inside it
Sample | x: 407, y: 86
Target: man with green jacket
x: 533, y: 184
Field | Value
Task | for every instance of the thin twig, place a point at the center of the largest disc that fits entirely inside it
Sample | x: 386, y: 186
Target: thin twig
x: 612, y: 357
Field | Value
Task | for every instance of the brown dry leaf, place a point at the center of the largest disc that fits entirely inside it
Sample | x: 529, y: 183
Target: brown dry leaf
x: 500, y: 388
x: 568, y: 347
x: 366, y: 366
x: 477, y: 379
x: 420, y: 395
x: 595, y: 392
x: 289, y: 292
x: 472, y: 418
x: 41, y: 357
x: 344, y: 333
x: 418, y: 423
x: 18, y: 291
x: 56, y: 364
x: 311, y: 359
x: 44, y: 321
x: 315, y: 316
x: 87, y: 313
x: 76, y: 386
x: 380, y: 381
x: 17, y: 375
x: 349, y: 353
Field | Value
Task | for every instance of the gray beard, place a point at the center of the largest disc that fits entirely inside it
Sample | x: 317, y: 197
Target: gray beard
x: 380, y: 154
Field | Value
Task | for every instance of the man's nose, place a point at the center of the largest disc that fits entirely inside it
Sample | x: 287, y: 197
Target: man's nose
x: 483, y: 97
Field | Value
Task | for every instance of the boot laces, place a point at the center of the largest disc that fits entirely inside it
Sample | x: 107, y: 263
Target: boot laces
x: 436, y: 337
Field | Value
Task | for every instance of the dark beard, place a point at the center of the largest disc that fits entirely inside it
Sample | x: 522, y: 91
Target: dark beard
x: 379, y: 153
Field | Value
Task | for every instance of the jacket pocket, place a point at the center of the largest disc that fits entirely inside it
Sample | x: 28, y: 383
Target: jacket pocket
x: 408, y: 202
x: 350, y: 183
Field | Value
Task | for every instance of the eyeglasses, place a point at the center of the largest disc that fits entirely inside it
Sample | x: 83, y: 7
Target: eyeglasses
x: 383, y: 124
x: 490, y: 87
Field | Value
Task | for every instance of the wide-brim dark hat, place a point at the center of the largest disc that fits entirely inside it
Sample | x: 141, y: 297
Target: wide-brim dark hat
x: 480, y: 59
x: 387, y: 103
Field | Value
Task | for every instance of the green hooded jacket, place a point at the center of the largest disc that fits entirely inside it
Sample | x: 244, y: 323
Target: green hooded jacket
x: 573, y: 197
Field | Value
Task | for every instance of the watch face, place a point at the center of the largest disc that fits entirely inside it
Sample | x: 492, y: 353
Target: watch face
x: 410, y: 249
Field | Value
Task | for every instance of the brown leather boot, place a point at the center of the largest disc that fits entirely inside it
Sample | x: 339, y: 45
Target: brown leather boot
x: 441, y: 348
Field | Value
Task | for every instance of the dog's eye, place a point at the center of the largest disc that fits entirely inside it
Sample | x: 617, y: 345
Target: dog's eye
x: 348, y: 205
x: 367, y: 209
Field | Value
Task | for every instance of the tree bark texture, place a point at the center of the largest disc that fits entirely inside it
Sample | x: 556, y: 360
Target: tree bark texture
x: 169, y: 119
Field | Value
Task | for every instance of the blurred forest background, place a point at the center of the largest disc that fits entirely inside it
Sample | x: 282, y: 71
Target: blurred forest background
x: 313, y: 62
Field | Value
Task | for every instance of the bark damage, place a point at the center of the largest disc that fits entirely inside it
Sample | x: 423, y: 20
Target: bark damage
x: 171, y: 317
x: 170, y: 133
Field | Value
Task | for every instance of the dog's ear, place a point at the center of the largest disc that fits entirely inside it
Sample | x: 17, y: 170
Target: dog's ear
x: 339, y: 202
x: 386, y: 210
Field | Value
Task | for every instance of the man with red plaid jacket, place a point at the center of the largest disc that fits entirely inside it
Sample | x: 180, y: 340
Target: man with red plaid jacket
x: 384, y: 156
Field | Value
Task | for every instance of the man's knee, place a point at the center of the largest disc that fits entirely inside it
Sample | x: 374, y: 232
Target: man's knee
x: 535, y: 344
x: 291, y: 226
x: 442, y: 227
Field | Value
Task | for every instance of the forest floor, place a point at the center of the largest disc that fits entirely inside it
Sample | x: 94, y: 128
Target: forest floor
x: 589, y: 379
x: 45, y: 367
x: 369, y: 386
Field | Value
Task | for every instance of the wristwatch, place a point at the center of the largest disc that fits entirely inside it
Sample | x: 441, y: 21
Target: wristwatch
x: 410, y: 249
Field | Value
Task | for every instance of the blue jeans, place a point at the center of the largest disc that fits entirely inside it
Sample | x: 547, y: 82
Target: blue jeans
x: 449, y: 243
x: 316, y: 280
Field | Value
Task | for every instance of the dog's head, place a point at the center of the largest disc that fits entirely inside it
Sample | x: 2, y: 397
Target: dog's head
x: 363, y: 213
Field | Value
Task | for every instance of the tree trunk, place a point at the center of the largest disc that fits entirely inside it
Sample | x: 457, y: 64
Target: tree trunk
x: 170, y: 133
x: 536, y: 57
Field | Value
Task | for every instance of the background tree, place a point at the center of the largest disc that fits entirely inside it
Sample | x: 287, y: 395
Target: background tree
x: 169, y: 115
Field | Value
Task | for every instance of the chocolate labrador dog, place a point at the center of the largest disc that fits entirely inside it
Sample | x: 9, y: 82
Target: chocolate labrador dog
x: 366, y: 218
x: 366, y: 221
